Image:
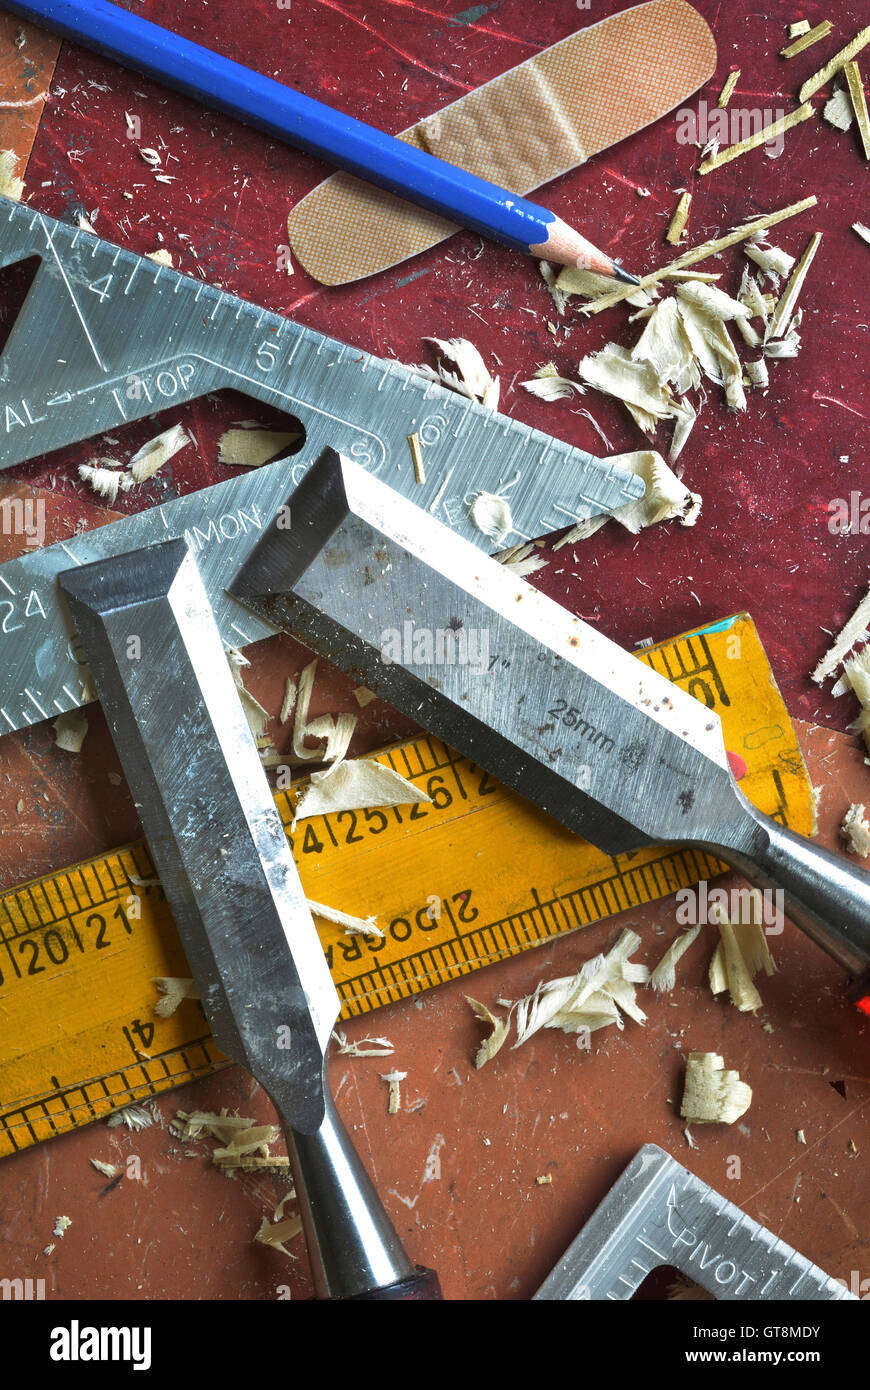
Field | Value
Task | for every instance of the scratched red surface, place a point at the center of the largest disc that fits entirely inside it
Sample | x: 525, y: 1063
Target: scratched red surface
x: 762, y: 543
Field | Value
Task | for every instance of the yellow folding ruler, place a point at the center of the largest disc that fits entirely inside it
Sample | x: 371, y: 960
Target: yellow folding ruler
x: 472, y: 876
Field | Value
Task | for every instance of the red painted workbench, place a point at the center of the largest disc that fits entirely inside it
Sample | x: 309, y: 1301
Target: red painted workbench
x: 762, y: 543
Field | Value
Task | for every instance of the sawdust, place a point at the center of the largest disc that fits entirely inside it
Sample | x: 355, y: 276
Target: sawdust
x: 108, y: 1170
x: 353, y: 926
x: 728, y: 90
x: 548, y: 385
x: 522, y: 559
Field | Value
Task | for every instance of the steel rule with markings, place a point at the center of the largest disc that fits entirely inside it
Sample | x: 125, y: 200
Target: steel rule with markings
x: 475, y: 875
x: 106, y: 336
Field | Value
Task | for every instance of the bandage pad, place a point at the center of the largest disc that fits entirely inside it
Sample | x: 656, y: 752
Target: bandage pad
x: 520, y: 130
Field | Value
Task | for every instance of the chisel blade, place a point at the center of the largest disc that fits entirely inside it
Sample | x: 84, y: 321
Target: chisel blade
x: 214, y: 833
x: 546, y: 703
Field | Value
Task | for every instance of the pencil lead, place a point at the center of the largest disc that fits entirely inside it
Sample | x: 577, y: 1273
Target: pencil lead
x: 624, y: 275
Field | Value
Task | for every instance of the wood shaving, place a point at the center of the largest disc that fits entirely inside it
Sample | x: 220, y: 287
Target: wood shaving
x: 702, y: 252
x: 857, y: 629
x: 495, y: 1039
x: 133, y: 1117
x: 713, y: 301
x: 548, y: 385
x: 366, y: 1047
x: 760, y: 137
x: 544, y: 1180
x: 161, y: 256
x: 558, y: 296
x: 680, y: 218
x: 823, y: 76
x: 355, y: 786
x: 713, y: 1095
x: 741, y: 953
x: 789, y: 346
x: 588, y: 284
x: 363, y: 696
x: 614, y: 371
x: 750, y: 295
x: 256, y: 715
x: 251, y: 448
x: 173, y: 991
x: 254, y: 1139
x: 335, y: 732
x: 105, y: 482
x: 70, y: 730
x: 417, y: 457
x: 288, y: 704
x: 666, y: 499
x: 773, y: 261
x: 158, y: 451
x: 859, y: 104
x: 856, y: 678
x: 800, y: 1136
x: 354, y: 926
x: 728, y: 90
x: 800, y: 26
x: 108, y: 1170
x: 862, y: 231
x: 522, y: 559
x: 589, y: 1000
x: 393, y: 1078
x: 714, y: 350
x: 491, y: 515
x: 61, y: 1225
x: 470, y: 376
x: 664, y: 976
x: 838, y: 111
x: 855, y: 830
x: 189, y: 1125
x: 757, y: 374
x: 11, y: 186
x: 277, y: 1234
x: 151, y: 158
x: 805, y: 38
x: 787, y: 302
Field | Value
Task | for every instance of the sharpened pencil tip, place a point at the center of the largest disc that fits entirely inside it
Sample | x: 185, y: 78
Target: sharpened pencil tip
x: 624, y: 275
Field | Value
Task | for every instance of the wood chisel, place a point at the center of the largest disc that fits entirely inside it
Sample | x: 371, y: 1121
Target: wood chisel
x: 227, y: 871
x: 659, y: 1214
x: 81, y: 947
x: 541, y: 699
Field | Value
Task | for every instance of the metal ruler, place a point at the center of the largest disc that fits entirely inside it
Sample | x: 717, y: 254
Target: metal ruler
x: 470, y: 878
x: 106, y: 336
x: 658, y: 1213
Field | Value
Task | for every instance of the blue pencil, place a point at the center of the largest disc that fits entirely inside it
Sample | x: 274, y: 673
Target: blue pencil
x: 319, y: 130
